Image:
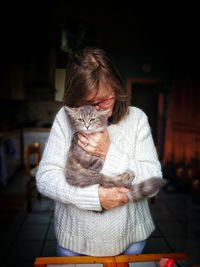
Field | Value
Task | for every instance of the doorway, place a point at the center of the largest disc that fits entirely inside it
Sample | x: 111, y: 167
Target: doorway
x: 149, y: 94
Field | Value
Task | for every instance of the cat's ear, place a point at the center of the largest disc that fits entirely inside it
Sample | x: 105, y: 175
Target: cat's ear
x: 69, y: 111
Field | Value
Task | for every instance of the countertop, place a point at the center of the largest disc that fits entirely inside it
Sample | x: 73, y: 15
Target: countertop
x: 8, y: 132
x: 16, y: 131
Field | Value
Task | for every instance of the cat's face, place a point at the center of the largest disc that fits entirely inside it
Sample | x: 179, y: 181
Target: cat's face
x: 87, y: 119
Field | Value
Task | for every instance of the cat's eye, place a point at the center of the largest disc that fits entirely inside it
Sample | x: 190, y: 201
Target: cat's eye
x: 93, y: 119
x: 81, y: 120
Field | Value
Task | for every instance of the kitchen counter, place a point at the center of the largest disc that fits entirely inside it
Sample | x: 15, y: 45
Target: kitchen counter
x: 36, y: 129
x: 9, y: 132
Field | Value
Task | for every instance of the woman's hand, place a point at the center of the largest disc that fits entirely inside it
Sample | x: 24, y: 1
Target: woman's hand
x: 96, y: 144
x: 113, y: 197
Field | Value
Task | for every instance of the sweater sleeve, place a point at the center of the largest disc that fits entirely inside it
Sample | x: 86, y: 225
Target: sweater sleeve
x: 50, y: 177
x: 144, y: 162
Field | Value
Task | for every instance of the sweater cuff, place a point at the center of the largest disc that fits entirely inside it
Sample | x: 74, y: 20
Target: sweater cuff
x: 88, y: 198
x: 116, y: 161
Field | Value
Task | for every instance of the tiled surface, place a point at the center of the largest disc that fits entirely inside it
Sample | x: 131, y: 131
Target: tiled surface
x: 177, y: 221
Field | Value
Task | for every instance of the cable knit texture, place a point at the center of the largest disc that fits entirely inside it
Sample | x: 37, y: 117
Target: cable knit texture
x: 77, y: 226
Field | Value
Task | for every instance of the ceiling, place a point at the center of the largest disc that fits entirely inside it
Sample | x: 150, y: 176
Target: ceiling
x: 115, y: 25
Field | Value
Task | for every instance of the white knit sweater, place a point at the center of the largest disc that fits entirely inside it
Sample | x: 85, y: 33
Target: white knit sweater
x: 77, y: 226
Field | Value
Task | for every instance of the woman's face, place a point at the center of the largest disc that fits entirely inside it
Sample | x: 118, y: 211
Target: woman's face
x: 102, y: 99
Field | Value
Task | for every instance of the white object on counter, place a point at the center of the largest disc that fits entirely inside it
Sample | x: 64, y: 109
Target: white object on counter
x: 10, y: 155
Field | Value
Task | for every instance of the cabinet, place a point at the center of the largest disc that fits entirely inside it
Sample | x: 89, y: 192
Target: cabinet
x: 34, y: 82
x: 12, y: 82
x: 40, y: 76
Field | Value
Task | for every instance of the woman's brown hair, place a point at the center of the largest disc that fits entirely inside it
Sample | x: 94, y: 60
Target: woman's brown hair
x: 86, y: 70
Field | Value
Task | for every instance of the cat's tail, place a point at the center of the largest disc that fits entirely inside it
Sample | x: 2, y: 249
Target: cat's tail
x: 146, y: 189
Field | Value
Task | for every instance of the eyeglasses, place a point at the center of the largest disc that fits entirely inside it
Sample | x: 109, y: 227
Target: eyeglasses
x: 104, y: 103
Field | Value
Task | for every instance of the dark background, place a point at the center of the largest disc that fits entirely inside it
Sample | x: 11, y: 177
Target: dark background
x: 165, y: 31
x: 155, y: 46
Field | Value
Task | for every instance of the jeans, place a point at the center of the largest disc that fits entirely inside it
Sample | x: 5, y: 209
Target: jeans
x: 135, y: 248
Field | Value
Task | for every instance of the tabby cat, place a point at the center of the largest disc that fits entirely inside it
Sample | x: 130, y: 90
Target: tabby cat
x: 83, y: 169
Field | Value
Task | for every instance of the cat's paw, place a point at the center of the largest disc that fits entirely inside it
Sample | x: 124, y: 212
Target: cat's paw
x: 128, y: 178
